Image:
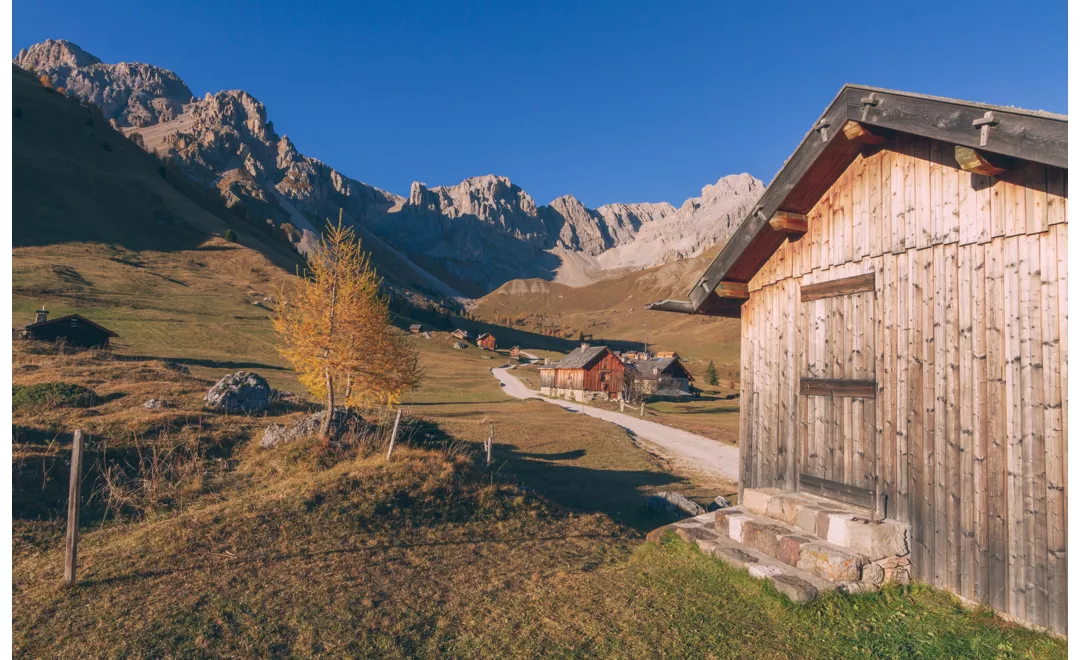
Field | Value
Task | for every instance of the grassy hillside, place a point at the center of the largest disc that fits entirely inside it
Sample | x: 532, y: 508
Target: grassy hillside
x: 613, y: 311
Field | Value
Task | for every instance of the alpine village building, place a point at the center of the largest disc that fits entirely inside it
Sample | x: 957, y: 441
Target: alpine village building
x: 73, y: 329
x: 486, y: 341
x: 661, y: 376
x: 902, y: 286
x: 587, y: 373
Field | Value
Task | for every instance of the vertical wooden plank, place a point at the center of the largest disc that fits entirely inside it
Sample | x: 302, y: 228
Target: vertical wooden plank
x: 921, y: 454
x: 966, y: 356
x: 934, y: 327
x: 1035, y: 187
x: 826, y: 236
x: 1019, y: 202
x: 746, y: 388
x: 1013, y: 429
x: 1034, y: 448
x: 846, y: 192
x: 980, y: 417
x: 900, y: 402
x: 1055, y: 196
x: 967, y: 209
x: 954, y: 483
x: 898, y: 203
x: 983, y: 193
x: 859, y: 213
x: 885, y: 406
x: 873, y: 202
x: 936, y: 221
x: 1055, y: 484
x: 997, y: 206
x: 922, y: 233
x: 997, y: 434
x: 951, y: 202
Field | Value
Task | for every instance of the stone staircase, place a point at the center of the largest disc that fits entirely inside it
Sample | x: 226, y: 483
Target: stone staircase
x: 803, y: 544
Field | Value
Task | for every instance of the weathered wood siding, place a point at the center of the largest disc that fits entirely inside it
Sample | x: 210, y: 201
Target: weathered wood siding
x: 968, y: 329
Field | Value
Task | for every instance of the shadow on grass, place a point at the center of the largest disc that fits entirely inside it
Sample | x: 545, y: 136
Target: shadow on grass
x: 619, y: 494
x: 204, y: 362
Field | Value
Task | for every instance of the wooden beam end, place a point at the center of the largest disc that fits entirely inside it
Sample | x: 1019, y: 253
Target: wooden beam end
x: 788, y: 223
x: 733, y: 290
x: 857, y: 132
x: 977, y: 162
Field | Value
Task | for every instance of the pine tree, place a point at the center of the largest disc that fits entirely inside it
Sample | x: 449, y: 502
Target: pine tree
x: 710, y: 374
x: 333, y: 326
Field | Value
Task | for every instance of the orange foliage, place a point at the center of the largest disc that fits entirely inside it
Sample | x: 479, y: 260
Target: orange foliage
x: 334, y: 328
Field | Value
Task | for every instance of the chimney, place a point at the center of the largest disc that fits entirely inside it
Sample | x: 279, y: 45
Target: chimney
x: 584, y: 345
x: 42, y: 315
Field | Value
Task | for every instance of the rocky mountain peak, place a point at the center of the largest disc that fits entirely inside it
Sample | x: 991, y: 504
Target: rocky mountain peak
x: 477, y: 234
x: 53, y: 54
x: 129, y: 93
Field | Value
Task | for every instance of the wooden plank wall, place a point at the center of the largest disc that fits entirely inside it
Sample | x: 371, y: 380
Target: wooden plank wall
x: 969, y: 325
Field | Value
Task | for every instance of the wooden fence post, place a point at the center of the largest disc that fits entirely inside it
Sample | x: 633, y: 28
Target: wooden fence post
x: 642, y: 413
x: 622, y: 405
x: 393, y: 434
x: 75, y: 485
x: 490, y: 442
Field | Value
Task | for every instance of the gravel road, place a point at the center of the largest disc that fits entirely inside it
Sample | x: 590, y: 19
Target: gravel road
x: 692, y: 451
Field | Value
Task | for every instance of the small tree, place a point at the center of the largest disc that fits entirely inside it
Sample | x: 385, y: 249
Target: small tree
x: 230, y: 235
x: 711, y: 376
x: 334, y: 328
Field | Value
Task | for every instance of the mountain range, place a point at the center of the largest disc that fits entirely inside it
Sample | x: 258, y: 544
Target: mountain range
x: 473, y: 236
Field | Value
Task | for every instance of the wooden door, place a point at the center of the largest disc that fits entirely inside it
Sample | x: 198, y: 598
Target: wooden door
x: 837, y: 386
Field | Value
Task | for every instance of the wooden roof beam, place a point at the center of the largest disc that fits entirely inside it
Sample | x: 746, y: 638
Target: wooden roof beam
x: 857, y: 132
x: 733, y: 290
x: 979, y: 162
x: 790, y: 223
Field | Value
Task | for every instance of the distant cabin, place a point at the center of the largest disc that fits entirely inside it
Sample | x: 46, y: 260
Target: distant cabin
x: 661, y: 376
x: 587, y: 373
x: 462, y: 334
x: 74, y: 329
x: 486, y: 341
x: 903, y: 290
x: 415, y: 328
x: 515, y: 352
x: 667, y: 354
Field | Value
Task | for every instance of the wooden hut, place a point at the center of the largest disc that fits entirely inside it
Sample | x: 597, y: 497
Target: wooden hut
x: 515, y: 352
x: 461, y: 333
x: 902, y: 285
x: 662, y: 376
x: 415, y: 328
x: 587, y: 373
x: 73, y: 329
x: 486, y: 341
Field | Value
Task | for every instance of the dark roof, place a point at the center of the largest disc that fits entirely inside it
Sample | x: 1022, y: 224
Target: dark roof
x: 580, y: 358
x: 825, y: 152
x: 653, y: 368
x: 42, y: 324
x: 486, y: 334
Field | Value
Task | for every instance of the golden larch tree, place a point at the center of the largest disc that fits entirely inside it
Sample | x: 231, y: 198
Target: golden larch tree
x: 334, y: 329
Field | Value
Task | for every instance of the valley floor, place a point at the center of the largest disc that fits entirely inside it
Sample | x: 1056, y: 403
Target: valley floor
x: 196, y: 543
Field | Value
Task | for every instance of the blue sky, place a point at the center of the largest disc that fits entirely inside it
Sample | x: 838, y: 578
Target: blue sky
x: 610, y: 101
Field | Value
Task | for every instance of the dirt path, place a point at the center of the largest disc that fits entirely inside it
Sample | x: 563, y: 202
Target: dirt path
x: 687, y: 451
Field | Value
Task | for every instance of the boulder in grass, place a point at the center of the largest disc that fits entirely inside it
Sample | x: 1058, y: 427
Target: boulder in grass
x: 674, y: 502
x: 156, y: 404
x: 241, y: 392
x: 276, y: 434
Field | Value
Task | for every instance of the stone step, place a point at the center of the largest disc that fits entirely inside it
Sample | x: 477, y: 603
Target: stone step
x: 798, y: 585
x: 840, y: 524
x: 790, y: 545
